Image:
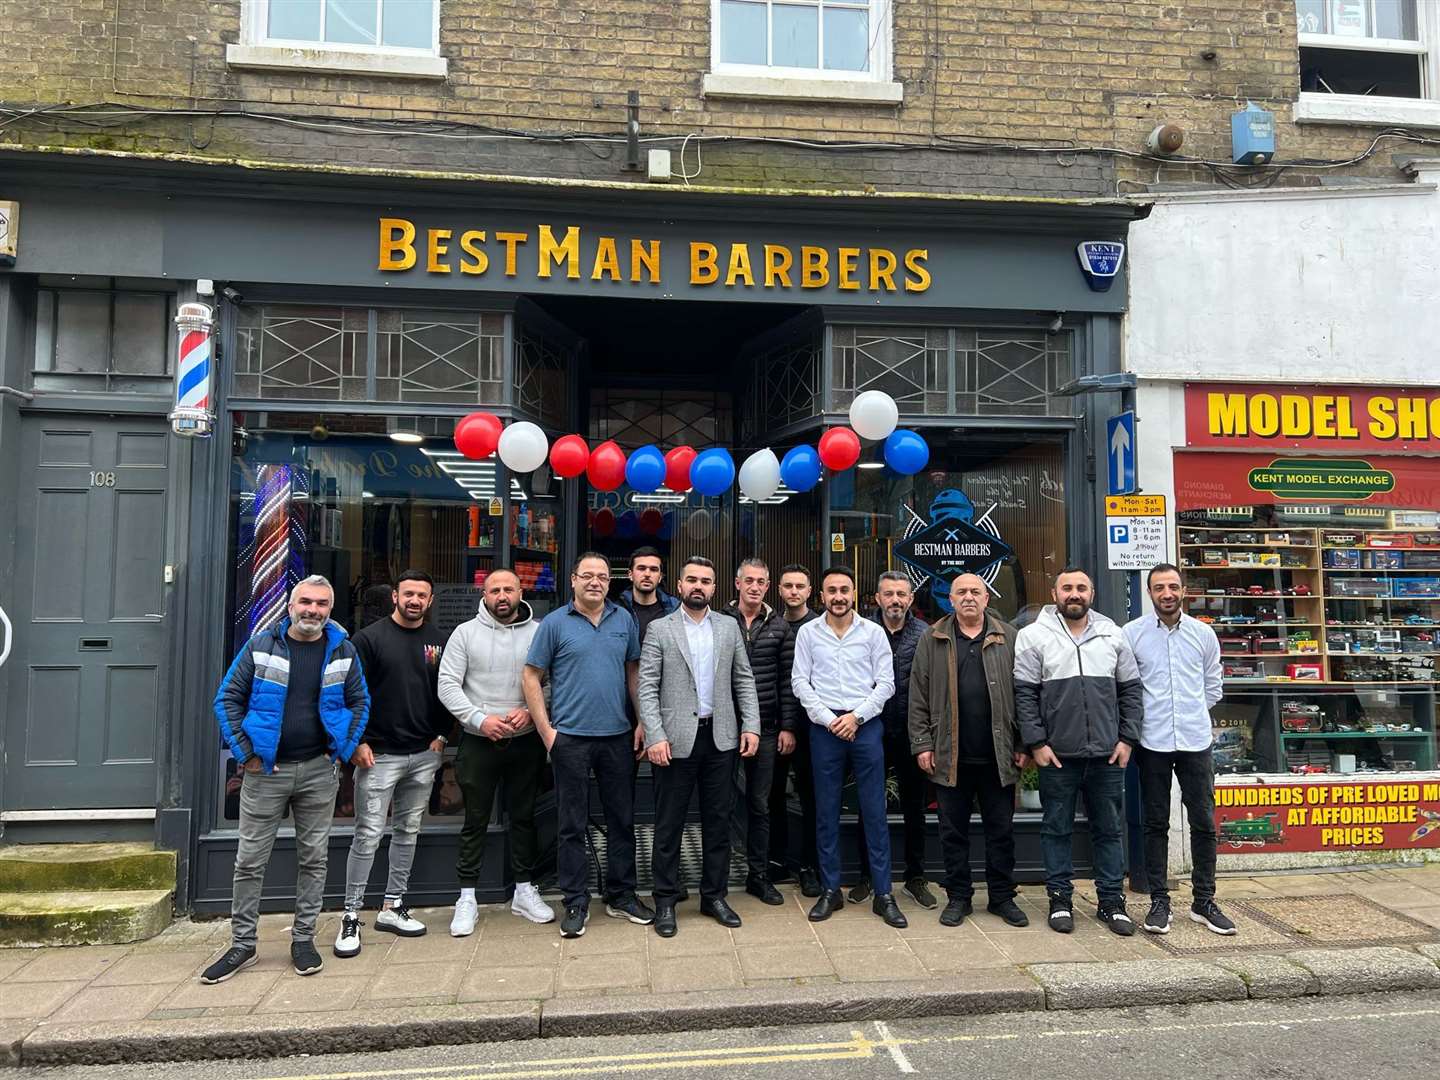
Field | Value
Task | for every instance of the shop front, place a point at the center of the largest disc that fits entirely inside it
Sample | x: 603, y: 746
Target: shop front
x: 1308, y: 528
x: 356, y: 324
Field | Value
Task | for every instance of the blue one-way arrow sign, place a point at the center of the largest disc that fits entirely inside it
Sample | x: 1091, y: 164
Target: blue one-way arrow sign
x: 1120, y: 453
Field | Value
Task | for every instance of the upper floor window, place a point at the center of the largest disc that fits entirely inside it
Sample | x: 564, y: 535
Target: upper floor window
x: 760, y: 46
x: 384, y: 24
x: 362, y: 37
x: 1367, y: 48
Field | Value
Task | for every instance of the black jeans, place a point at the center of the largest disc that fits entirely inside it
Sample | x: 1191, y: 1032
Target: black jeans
x: 997, y: 812
x: 796, y: 763
x: 912, y: 806
x: 610, y: 757
x: 1195, y: 769
x: 713, y: 772
x: 759, y: 777
x: 480, y: 766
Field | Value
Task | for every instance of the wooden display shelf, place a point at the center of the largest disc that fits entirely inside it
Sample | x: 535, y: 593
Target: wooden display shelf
x: 1258, y: 544
x: 1355, y: 734
x: 1387, y: 599
x: 1267, y: 569
x: 1280, y: 655
x: 1375, y: 626
x: 1433, y: 571
x: 1258, y: 596
x: 1218, y: 626
x: 1360, y: 547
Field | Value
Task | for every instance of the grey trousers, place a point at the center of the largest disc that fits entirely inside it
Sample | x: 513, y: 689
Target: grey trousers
x: 406, y: 779
x: 307, y: 789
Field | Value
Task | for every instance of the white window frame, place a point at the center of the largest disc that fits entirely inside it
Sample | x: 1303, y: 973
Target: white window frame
x: 259, y: 50
x: 874, y: 86
x: 1318, y: 106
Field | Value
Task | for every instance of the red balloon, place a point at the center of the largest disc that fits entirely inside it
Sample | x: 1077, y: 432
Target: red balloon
x: 477, y: 435
x: 839, y: 448
x: 651, y: 521
x: 677, y: 468
x: 604, y: 522
x: 606, y: 469
x: 569, y: 455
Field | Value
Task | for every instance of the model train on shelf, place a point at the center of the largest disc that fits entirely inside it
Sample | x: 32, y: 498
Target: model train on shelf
x: 1251, y: 831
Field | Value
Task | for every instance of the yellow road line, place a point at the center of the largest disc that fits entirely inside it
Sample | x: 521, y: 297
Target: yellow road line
x: 1295, y: 1021
x: 858, y: 1046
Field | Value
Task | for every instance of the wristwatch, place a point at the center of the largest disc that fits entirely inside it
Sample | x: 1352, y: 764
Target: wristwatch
x: 444, y: 742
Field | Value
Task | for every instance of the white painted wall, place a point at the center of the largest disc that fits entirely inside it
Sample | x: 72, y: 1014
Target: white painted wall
x: 1329, y: 285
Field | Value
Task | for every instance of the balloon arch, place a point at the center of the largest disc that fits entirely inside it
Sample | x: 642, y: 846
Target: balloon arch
x: 523, y: 447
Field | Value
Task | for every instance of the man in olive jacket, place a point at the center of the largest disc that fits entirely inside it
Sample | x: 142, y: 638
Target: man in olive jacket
x: 964, y: 735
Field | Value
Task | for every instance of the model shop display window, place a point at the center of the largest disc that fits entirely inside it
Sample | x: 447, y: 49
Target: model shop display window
x: 1328, y: 619
x: 359, y: 499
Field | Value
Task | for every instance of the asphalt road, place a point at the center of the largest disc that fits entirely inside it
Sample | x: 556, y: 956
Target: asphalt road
x: 1366, y: 1038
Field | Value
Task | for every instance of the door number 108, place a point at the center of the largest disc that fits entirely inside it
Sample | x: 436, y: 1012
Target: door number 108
x: 102, y: 479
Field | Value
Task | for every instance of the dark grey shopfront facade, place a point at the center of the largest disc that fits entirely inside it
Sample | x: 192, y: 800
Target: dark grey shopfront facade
x: 130, y: 587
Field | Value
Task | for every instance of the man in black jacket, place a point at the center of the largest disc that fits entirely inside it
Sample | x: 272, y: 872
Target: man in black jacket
x: 893, y: 597
x: 765, y: 632
x: 793, y: 744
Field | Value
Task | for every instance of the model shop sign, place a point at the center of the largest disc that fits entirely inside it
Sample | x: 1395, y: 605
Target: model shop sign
x: 1322, y: 816
x: 550, y: 251
x: 1311, y: 418
x: 1204, y: 480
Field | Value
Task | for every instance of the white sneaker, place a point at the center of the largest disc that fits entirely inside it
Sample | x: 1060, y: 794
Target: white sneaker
x: 466, y: 912
x: 528, y: 905
x: 398, y: 920
x: 347, y: 942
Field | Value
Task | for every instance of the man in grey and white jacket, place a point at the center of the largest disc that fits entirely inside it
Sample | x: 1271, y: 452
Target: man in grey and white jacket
x: 1079, y: 702
x: 479, y: 683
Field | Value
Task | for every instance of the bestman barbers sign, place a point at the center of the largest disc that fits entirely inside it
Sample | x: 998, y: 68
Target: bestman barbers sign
x: 1312, y: 418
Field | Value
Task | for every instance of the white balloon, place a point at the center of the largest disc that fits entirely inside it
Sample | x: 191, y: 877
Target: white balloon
x: 874, y: 415
x: 523, y: 447
x: 760, y: 475
x: 699, y: 526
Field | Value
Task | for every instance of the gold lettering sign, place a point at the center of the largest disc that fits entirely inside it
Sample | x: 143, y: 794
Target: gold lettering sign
x: 567, y: 251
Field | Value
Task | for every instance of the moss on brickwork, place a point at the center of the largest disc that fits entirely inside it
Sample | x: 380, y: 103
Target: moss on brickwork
x: 48, y: 867
x: 83, y: 918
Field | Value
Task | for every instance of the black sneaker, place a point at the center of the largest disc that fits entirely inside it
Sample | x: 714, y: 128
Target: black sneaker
x: 861, y: 892
x: 955, y: 911
x: 1010, y: 912
x: 919, y: 891
x: 1062, y: 918
x: 1158, y: 921
x: 1113, y: 914
x: 306, y: 960
x: 1208, y: 914
x: 229, y: 965
x: 573, y: 925
x: 629, y: 907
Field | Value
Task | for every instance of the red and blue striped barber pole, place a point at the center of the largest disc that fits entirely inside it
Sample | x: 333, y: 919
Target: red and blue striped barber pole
x: 193, y: 416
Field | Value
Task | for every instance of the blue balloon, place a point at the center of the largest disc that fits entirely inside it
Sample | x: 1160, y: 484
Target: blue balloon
x: 712, y: 472
x: 906, y: 452
x: 645, y: 471
x: 800, y: 468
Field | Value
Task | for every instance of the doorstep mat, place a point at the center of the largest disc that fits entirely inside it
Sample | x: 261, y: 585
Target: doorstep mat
x: 1284, y: 923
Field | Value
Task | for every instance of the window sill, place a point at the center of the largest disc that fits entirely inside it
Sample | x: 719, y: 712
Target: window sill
x: 770, y: 88
x: 336, y: 61
x: 1356, y: 109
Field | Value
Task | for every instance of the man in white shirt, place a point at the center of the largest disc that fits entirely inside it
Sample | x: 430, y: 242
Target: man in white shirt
x: 842, y: 677
x: 697, y: 704
x: 1179, y: 660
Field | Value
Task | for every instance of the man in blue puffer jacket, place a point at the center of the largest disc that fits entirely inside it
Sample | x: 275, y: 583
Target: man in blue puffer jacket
x: 292, y: 707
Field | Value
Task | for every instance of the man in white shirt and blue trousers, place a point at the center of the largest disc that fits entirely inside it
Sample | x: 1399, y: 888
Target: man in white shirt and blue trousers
x: 843, y: 675
x: 1179, y: 661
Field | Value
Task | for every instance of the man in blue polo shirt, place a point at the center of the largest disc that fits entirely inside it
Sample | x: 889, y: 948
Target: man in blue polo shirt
x: 591, y: 650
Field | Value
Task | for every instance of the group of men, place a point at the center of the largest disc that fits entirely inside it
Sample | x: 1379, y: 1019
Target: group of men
x: 711, y: 696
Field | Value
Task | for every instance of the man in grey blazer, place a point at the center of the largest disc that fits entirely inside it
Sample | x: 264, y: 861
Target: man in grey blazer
x: 694, y: 678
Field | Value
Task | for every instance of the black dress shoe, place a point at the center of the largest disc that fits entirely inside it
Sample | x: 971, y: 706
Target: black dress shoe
x: 766, y: 892
x: 809, y: 882
x: 682, y: 895
x: 887, y: 909
x: 720, y: 911
x: 956, y: 910
x: 830, y: 902
x: 665, y: 918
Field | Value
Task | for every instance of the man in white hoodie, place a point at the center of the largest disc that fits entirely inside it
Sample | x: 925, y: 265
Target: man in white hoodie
x: 480, y: 684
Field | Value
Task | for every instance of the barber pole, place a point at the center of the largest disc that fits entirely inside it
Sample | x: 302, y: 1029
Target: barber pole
x: 193, y: 416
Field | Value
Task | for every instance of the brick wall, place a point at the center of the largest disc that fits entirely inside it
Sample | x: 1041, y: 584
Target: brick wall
x: 1052, y: 73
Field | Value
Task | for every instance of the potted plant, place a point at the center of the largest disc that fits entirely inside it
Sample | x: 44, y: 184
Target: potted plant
x: 1030, y: 788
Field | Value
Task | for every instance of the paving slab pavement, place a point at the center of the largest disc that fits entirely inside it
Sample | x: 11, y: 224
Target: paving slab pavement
x: 1300, y: 935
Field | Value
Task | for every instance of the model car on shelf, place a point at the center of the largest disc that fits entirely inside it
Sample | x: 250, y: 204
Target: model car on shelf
x: 1296, y: 724
x: 1298, y: 590
x: 1309, y: 770
x: 1236, y: 620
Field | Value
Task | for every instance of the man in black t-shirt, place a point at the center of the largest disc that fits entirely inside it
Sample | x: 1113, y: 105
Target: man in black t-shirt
x: 964, y: 736
x: 403, y: 746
